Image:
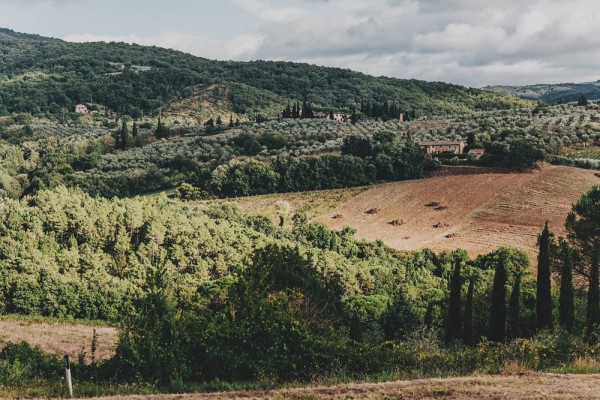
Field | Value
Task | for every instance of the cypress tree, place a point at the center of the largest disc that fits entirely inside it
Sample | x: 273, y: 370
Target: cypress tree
x: 498, y: 304
x: 593, y: 305
x: 543, y: 297
x: 514, y: 307
x: 124, y: 135
x: 566, y: 306
x: 453, y: 323
x: 134, y: 131
x: 469, y: 324
x: 231, y: 121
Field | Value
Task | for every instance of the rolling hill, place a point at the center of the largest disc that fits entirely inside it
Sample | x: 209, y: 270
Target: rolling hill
x: 478, y: 213
x: 564, y: 92
x: 45, y: 75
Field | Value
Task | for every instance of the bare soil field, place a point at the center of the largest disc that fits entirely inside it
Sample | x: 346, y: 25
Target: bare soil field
x: 476, y: 212
x: 60, y: 338
x: 524, y: 386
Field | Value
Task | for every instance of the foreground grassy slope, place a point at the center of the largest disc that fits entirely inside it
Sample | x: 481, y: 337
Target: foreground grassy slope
x: 47, y: 75
x: 546, y: 386
x: 476, y: 212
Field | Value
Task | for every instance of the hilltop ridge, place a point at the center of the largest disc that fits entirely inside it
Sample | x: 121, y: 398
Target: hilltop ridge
x: 45, y: 75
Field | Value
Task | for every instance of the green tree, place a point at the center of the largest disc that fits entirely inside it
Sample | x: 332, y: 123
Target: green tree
x: 469, y: 317
x: 514, y: 308
x: 544, y: 297
x: 124, y: 135
x: 454, y: 318
x: 593, y: 300
x: 498, y: 303
x: 583, y: 227
x: 566, y: 301
x: 523, y: 154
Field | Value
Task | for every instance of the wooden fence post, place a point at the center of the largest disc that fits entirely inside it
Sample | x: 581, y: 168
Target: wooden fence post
x: 68, y: 376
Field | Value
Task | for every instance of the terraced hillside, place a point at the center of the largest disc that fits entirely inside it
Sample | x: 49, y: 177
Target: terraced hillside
x: 477, y: 212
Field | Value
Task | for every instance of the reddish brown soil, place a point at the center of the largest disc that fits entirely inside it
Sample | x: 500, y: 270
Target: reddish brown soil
x: 477, y: 212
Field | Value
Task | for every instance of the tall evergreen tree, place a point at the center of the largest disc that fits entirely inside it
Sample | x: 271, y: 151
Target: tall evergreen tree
x: 514, y: 308
x: 593, y: 304
x: 544, y: 298
x: 453, y: 323
x: 469, y: 322
x: 498, y: 304
x: 231, y: 120
x: 566, y: 307
x: 124, y: 135
x: 134, y: 131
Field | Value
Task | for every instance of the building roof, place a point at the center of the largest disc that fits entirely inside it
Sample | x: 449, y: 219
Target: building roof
x: 476, y: 151
x: 441, y: 143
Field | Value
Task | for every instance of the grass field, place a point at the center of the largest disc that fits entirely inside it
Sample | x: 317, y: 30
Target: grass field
x: 520, y: 386
x: 59, y: 337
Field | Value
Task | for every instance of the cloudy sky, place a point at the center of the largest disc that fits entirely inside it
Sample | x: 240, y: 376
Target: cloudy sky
x: 469, y: 42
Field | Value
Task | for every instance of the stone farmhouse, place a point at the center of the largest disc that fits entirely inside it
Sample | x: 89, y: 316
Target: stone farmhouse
x: 81, y: 109
x: 475, y: 153
x: 443, y: 146
x: 342, y: 117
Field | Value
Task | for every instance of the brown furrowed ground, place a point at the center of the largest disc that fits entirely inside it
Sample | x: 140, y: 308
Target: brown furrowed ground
x: 524, y: 386
x: 60, y: 338
x: 478, y: 213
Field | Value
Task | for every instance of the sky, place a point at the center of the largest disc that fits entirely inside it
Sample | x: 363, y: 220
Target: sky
x: 467, y: 42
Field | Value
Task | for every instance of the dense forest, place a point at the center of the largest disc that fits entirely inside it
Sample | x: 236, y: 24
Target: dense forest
x: 41, y: 75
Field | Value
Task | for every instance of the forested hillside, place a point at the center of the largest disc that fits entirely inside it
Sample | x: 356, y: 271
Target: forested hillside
x: 42, y: 75
x: 563, y: 92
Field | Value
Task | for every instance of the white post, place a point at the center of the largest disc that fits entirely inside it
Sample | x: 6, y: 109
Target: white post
x: 68, y: 376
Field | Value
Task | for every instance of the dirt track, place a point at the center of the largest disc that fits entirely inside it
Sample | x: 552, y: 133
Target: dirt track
x: 476, y: 212
x: 528, y: 386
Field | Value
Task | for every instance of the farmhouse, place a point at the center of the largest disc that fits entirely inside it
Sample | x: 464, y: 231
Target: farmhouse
x: 341, y: 117
x: 442, y: 146
x: 475, y: 154
x: 81, y: 109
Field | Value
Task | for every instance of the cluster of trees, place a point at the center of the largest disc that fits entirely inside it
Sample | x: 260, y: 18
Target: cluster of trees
x: 364, y: 161
x: 385, y: 110
x: 298, y: 111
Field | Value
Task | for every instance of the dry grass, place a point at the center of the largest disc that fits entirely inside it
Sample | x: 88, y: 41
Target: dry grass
x: 314, y: 203
x: 521, y: 386
x: 60, y: 338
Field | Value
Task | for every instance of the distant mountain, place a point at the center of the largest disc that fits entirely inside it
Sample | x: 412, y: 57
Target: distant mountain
x: 45, y: 75
x: 563, y: 92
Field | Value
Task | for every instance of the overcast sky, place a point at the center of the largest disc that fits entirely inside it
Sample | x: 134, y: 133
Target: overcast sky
x: 469, y: 42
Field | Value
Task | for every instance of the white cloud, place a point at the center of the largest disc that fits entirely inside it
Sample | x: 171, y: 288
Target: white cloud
x: 472, y: 42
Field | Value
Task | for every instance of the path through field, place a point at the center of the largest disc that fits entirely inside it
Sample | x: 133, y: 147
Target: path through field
x: 527, y: 386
